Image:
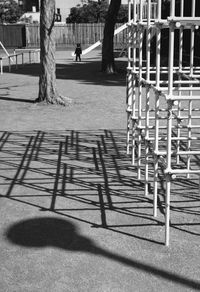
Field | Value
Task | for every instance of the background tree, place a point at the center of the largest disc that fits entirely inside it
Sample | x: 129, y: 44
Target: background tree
x: 89, y: 12
x: 47, y: 81
x: 122, y: 16
x: 10, y: 11
x: 93, y: 12
x: 108, y: 64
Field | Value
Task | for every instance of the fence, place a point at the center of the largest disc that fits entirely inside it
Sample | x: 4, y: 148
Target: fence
x: 72, y: 33
x: 28, y: 35
x: 13, y: 35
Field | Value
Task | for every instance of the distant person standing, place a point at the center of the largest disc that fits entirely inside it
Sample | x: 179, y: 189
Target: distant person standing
x: 78, y: 52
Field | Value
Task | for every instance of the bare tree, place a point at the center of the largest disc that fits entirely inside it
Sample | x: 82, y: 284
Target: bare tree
x: 108, y: 64
x: 47, y: 81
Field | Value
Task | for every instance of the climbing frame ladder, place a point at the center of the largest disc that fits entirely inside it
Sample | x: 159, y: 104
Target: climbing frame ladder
x: 163, y: 96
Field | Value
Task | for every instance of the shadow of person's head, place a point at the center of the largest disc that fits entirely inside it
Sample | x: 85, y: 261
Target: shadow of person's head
x: 55, y: 232
x: 48, y: 231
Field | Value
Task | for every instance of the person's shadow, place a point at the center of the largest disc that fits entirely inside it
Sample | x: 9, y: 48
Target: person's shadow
x: 59, y: 233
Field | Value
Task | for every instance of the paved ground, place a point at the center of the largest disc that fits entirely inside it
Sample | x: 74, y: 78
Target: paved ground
x: 73, y: 216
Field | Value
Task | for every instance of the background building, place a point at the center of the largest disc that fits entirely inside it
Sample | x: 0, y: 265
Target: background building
x: 62, y: 7
x: 65, y: 6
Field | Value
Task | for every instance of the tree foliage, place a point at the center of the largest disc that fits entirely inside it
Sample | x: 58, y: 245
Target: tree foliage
x: 10, y: 11
x: 94, y: 12
x: 122, y: 16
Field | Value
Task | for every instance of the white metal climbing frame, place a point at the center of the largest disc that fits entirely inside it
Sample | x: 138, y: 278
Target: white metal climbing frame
x: 163, y: 95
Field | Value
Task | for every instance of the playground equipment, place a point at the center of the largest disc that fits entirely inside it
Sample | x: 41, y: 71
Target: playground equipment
x: 33, y: 54
x: 121, y: 28
x: 5, y: 50
x: 19, y: 57
x: 98, y: 43
x: 163, y: 97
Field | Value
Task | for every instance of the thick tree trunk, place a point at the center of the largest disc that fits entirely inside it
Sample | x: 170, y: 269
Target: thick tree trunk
x: 47, y: 81
x: 108, y: 64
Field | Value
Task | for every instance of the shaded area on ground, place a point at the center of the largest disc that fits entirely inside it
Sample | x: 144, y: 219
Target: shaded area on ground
x: 15, y: 99
x: 44, y: 232
x: 84, y: 179
x: 87, y: 71
x: 91, y: 170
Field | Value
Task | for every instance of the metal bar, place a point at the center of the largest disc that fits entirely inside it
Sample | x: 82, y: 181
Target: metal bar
x: 148, y: 47
x: 1, y: 65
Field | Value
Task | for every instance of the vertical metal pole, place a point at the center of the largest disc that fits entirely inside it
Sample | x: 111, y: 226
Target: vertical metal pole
x: 129, y: 97
x: 129, y: 80
x: 171, y: 50
x: 140, y: 95
x: 1, y: 62
x: 9, y: 64
x: 148, y: 43
x: 16, y: 61
x: 190, y: 104
x: 182, y: 8
x: 34, y: 56
x: 29, y: 57
x: 133, y: 119
x: 134, y: 11
x: 179, y: 85
x: 169, y: 122
x: 22, y: 58
x: 167, y: 209
x: 172, y: 8
x: 156, y: 142
x: 38, y: 56
x: 141, y: 9
x: 134, y: 46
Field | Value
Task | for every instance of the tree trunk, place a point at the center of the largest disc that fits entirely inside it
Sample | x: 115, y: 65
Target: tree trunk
x: 108, y: 64
x: 47, y: 81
